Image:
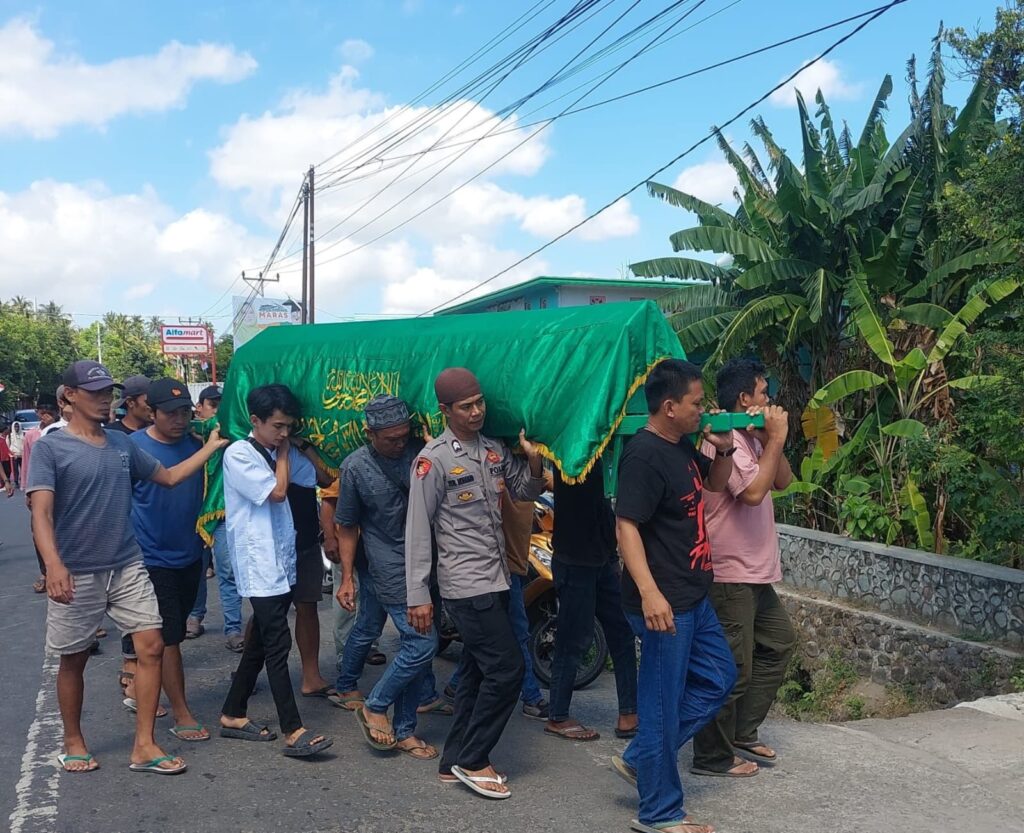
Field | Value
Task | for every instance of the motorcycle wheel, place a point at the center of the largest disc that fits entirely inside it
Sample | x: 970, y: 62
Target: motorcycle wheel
x: 542, y: 652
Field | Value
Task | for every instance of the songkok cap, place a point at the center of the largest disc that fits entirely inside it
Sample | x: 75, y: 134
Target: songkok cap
x: 385, y: 411
x: 455, y: 384
x: 88, y: 375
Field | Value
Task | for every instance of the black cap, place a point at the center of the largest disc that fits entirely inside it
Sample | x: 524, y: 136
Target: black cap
x: 89, y: 375
x: 46, y: 401
x: 211, y: 392
x: 168, y: 395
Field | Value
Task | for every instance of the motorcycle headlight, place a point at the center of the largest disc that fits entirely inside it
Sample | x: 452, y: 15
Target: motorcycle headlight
x: 542, y: 555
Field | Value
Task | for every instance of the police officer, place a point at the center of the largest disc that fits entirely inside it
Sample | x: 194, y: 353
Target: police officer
x: 457, y: 485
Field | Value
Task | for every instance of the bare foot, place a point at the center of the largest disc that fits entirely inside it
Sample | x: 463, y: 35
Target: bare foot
x: 150, y: 751
x: 742, y: 767
x: 313, y: 686
x: 188, y: 728
x: 417, y: 748
x: 761, y: 750
x: 380, y: 727
x: 76, y: 748
x: 490, y: 786
x: 627, y: 722
x: 291, y: 737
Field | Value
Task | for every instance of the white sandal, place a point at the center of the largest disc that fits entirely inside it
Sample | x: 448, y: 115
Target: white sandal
x: 472, y: 781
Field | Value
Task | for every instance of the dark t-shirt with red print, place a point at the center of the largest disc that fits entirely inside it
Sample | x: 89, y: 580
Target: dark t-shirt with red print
x: 661, y: 488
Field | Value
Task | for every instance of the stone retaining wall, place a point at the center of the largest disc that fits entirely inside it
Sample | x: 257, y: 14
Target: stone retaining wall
x: 963, y: 598
x: 935, y: 667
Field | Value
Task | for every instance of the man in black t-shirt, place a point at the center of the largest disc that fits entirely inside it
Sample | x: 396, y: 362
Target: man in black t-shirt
x: 686, y: 667
x: 588, y: 579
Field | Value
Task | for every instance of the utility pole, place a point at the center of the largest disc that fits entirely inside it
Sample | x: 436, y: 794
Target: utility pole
x: 312, y: 249
x: 99, y: 344
x: 305, y: 249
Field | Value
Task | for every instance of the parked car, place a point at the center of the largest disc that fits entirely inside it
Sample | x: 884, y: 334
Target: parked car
x: 27, y: 417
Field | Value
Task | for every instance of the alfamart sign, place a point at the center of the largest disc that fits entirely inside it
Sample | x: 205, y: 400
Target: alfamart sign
x: 178, y: 340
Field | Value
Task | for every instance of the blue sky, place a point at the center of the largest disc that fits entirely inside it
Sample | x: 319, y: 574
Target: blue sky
x: 152, y: 150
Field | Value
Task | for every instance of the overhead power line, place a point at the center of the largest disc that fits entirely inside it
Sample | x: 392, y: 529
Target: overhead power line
x: 835, y: 45
x: 488, y: 167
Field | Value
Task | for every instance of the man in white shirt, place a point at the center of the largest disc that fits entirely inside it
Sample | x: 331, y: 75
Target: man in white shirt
x: 261, y: 543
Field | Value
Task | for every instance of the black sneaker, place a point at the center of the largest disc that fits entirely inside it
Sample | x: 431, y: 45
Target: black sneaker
x: 536, y: 711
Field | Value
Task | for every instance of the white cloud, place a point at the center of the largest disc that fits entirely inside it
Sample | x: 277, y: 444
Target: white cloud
x: 712, y: 182
x: 824, y: 75
x: 82, y: 246
x: 355, y: 51
x: 42, y: 92
x: 428, y: 258
x: 456, y: 267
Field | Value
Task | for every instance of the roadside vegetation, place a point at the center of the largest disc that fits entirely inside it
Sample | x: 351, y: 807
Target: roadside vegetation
x: 881, y: 278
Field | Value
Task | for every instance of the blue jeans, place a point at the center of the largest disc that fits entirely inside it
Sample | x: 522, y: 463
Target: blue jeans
x: 230, y: 601
x: 199, y: 608
x: 583, y: 593
x: 684, y: 680
x: 402, y: 681
x: 531, y: 693
x: 369, y: 625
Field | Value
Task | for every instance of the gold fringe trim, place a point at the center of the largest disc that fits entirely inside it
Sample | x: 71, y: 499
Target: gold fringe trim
x: 548, y: 454
x: 218, y: 515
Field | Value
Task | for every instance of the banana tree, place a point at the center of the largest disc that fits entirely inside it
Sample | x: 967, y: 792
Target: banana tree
x: 859, y: 216
x: 904, y: 392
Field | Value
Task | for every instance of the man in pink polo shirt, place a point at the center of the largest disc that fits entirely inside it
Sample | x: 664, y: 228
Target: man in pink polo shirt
x: 745, y: 555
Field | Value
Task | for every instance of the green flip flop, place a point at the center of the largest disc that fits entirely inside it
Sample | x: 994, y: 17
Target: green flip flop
x: 64, y: 759
x: 199, y: 727
x: 154, y: 766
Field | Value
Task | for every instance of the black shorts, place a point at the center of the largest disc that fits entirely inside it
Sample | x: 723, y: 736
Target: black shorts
x: 176, y: 589
x: 309, y: 576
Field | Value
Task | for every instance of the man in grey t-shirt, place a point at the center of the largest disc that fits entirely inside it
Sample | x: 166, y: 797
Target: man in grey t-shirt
x: 81, y: 487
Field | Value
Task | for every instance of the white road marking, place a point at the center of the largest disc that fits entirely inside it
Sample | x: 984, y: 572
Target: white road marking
x: 38, y: 786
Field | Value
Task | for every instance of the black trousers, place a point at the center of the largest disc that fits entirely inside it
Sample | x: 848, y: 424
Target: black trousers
x: 268, y: 643
x: 492, y: 671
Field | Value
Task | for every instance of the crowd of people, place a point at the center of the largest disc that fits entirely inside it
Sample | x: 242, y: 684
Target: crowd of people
x: 414, y: 524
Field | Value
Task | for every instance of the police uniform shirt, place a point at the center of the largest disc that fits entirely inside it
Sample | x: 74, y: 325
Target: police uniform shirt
x: 456, y: 489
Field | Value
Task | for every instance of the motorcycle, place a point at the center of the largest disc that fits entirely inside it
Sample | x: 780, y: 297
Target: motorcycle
x: 541, y: 603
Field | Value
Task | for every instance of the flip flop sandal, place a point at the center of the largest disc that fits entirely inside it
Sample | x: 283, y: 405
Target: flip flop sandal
x: 412, y: 750
x: 448, y: 778
x: 625, y: 734
x: 376, y: 658
x: 324, y: 692
x: 130, y: 704
x: 746, y: 750
x: 661, y: 828
x: 63, y: 760
x: 348, y: 702
x: 368, y: 734
x: 199, y: 727
x: 304, y: 747
x: 624, y: 771
x: 474, y: 781
x: 728, y: 773
x: 439, y: 706
x: 250, y: 731
x: 154, y: 766
x: 579, y: 732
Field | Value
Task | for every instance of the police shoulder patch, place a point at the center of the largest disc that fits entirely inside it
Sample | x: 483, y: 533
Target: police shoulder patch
x: 422, y: 467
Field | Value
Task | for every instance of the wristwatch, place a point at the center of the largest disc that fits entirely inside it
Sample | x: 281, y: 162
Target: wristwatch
x: 727, y: 453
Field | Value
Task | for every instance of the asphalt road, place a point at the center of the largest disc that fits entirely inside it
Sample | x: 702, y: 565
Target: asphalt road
x: 831, y: 779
